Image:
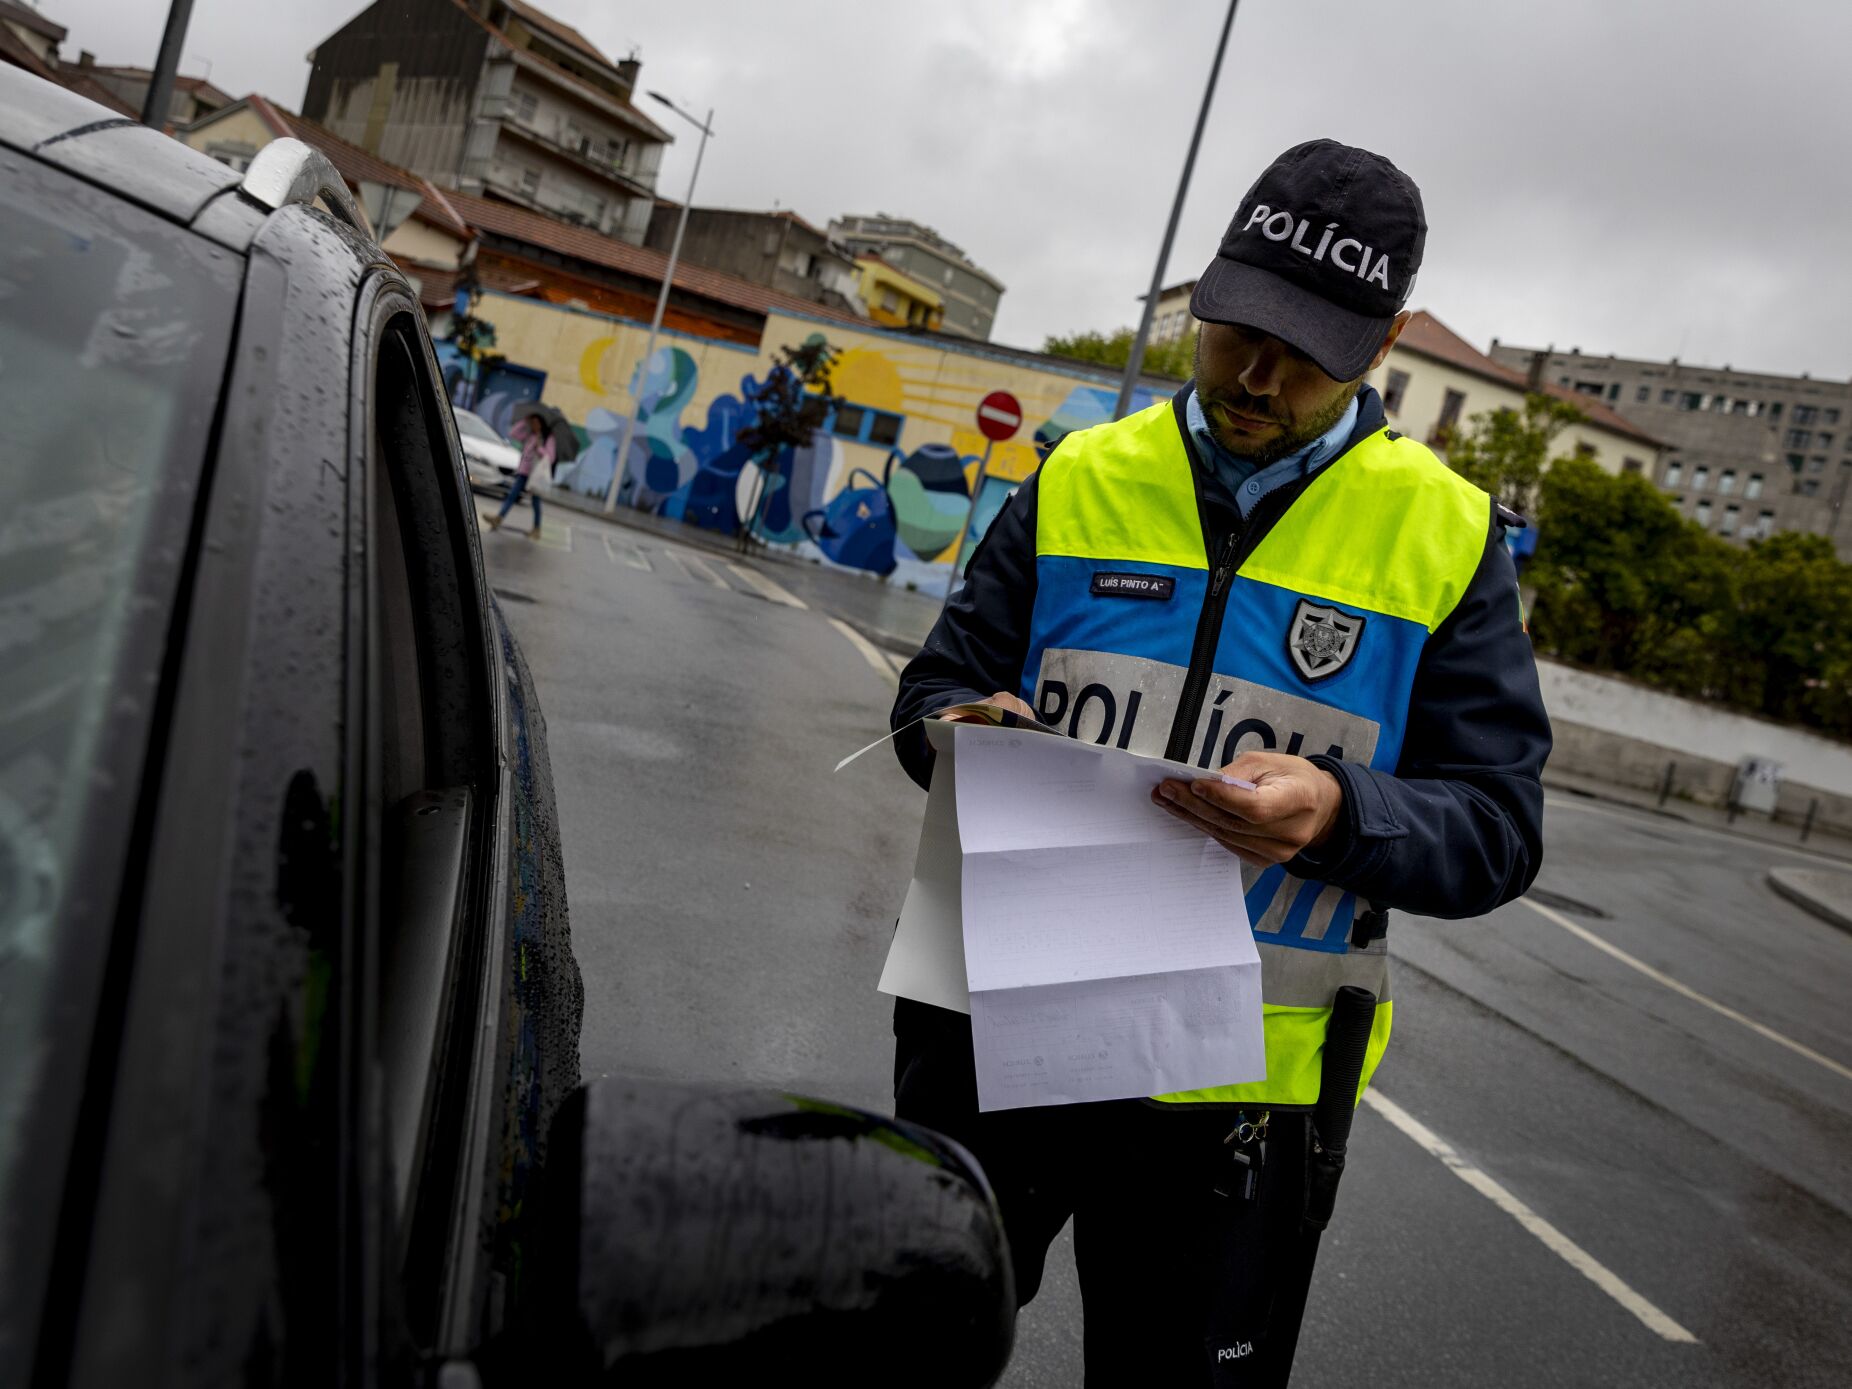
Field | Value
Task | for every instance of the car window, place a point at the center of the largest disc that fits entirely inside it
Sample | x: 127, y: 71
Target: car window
x: 113, y: 328
x: 476, y: 427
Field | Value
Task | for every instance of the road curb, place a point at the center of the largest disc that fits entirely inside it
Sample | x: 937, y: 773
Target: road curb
x: 1821, y: 891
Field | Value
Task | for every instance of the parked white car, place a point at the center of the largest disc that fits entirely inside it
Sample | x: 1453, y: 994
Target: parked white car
x: 490, y: 458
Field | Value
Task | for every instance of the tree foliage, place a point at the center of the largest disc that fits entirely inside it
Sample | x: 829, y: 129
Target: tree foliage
x: 795, y: 400
x: 1624, y: 583
x: 1175, y: 359
x: 1506, y: 451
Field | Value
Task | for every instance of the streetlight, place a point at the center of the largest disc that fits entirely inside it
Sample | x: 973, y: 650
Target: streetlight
x: 662, y: 298
x: 1137, y: 360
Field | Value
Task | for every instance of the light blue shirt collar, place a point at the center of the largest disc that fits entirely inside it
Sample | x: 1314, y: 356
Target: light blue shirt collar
x: 1244, y: 482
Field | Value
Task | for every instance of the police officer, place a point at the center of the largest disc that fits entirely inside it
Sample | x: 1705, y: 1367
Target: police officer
x: 1261, y: 576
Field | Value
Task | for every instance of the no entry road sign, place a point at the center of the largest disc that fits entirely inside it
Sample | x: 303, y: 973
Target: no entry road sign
x: 999, y: 416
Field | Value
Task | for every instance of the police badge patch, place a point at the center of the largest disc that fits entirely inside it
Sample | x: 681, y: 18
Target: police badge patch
x: 1321, y: 640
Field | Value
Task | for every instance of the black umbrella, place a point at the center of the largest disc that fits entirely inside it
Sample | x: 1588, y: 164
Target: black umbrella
x: 565, y: 440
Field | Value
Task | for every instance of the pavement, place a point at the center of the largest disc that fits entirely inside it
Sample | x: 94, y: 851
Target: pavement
x: 1825, y: 892
x: 1608, y: 1144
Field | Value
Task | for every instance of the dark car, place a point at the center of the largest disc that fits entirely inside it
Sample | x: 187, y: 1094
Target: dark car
x: 289, y: 1015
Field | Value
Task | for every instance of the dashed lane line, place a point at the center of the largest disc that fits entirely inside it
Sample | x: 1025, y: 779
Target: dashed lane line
x: 631, y: 555
x: 1552, y: 1238
x: 767, y: 589
x: 1686, y: 991
x: 869, y: 651
x: 699, y: 568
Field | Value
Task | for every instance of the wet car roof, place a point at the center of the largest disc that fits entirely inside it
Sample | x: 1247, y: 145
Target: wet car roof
x: 92, y: 142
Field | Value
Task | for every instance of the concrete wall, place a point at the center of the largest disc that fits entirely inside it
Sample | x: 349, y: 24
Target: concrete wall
x: 1615, y: 731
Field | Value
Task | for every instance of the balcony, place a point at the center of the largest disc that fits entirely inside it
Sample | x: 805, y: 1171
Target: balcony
x: 578, y: 155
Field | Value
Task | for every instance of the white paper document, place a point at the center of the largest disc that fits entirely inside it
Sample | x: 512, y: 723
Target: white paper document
x: 1101, y: 947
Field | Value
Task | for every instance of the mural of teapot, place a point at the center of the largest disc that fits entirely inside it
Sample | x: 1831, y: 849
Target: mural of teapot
x: 856, y: 529
x: 929, y: 495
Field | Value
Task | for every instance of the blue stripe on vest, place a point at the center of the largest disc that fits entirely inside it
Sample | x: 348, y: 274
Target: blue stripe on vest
x: 1068, y: 613
x: 1374, y: 683
x: 1262, y: 892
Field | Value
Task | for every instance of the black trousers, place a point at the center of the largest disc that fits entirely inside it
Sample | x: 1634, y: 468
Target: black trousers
x: 1173, y: 1276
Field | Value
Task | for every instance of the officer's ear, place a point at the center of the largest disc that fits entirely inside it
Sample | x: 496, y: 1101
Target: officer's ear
x: 1395, y: 331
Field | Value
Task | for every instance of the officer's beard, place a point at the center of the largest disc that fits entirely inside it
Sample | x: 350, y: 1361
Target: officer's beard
x: 1294, y: 434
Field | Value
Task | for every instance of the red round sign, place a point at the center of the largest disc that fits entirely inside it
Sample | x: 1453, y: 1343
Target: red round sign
x: 999, y: 416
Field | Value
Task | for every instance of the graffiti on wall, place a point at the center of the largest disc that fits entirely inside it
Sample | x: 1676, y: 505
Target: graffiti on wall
x: 891, y: 508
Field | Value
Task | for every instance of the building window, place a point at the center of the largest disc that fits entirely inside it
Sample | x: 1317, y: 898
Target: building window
x: 1703, y: 514
x: 1753, y: 488
x: 1675, y: 471
x: 883, y: 428
x: 525, y: 105
x: 1632, y: 465
x: 1585, y: 450
x: 1700, y: 477
x: 1614, y: 390
x: 1394, y: 389
x: 1451, y: 405
x: 1823, y: 440
x: 1726, y: 482
x: 1765, y: 524
x: 864, y: 425
x: 1816, y: 464
x: 530, y: 182
x: 1593, y: 388
x: 1798, y: 438
x: 1667, y: 397
x: 1810, y: 487
x: 1691, y: 400
x: 1805, y: 414
x: 890, y: 303
x: 1796, y: 462
x: 1774, y: 411
x: 1644, y: 394
x: 1728, y: 525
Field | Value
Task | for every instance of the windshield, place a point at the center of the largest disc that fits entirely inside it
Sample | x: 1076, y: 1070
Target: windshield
x: 475, y: 427
x: 113, y: 330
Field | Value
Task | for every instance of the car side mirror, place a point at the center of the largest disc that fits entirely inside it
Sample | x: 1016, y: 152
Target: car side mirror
x: 691, y: 1235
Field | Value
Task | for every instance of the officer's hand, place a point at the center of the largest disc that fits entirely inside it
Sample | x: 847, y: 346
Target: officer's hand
x: 1001, y: 700
x: 1294, y: 805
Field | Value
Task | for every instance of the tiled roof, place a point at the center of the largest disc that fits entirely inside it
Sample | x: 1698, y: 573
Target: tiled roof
x: 16, y: 51
x: 199, y: 86
x: 28, y: 18
x: 565, y: 33
x: 1427, y: 336
x: 579, y: 243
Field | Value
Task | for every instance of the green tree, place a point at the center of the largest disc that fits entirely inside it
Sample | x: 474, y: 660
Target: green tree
x: 1784, y: 645
x: 1173, y: 359
x: 1507, y: 451
x: 791, y: 407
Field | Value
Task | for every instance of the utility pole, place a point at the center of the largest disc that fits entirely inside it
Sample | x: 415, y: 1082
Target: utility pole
x: 160, y: 99
x: 1135, y: 363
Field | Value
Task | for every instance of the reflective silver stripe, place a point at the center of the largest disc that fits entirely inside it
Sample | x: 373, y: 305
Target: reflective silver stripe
x: 1275, y: 916
x: 1324, y: 907
x: 1291, y: 978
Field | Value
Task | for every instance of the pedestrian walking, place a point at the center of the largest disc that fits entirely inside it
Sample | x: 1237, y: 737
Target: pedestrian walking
x: 1332, y: 615
x: 538, y: 451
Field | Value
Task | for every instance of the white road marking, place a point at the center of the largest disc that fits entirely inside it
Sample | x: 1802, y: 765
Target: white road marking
x: 557, y: 536
x: 767, y: 589
x: 1686, y: 991
x: 698, y: 567
x: 1552, y: 1238
x: 626, y: 554
x: 870, y: 652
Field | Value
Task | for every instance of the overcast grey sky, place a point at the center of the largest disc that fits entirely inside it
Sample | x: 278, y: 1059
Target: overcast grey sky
x: 1645, y: 177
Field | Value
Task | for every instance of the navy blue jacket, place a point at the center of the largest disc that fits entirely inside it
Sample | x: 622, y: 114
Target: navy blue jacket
x: 1456, y: 830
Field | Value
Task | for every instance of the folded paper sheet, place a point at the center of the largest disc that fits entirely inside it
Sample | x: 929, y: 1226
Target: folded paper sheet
x: 1101, y: 948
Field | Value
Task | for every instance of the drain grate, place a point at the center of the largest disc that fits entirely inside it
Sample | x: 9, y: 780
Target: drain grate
x: 1544, y: 897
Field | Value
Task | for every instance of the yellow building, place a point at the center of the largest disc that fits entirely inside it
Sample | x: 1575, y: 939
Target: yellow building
x: 1433, y: 382
x: 894, y: 298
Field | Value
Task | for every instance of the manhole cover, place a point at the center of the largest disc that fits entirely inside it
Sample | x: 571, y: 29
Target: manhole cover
x: 512, y: 596
x: 1544, y: 897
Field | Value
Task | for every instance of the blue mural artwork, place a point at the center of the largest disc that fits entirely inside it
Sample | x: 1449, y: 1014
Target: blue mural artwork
x: 1084, y: 407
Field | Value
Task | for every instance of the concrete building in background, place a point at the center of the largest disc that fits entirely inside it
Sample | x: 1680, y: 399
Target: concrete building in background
x: 894, y: 299
x: 1433, y: 382
x: 969, y: 294
x: 777, y: 249
x: 497, y: 98
x: 1172, y: 321
x: 1748, y: 453
x: 194, y: 97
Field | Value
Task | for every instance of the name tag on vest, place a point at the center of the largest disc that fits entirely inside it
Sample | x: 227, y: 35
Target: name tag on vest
x: 1158, y: 586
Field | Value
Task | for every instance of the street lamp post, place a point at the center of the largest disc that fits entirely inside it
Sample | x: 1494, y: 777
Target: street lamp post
x: 662, y: 298
x: 1135, y: 362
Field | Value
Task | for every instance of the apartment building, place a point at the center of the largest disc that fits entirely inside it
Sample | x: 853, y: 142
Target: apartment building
x: 970, y: 294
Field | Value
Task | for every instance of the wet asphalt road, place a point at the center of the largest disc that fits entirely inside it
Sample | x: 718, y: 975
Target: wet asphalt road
x: 732, y: 900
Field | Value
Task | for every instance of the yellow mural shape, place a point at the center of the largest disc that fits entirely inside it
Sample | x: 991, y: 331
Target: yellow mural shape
x: 591, y: 363
x: 868, y: 378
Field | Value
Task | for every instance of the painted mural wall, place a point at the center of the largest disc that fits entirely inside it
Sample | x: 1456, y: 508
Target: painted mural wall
x: 886, y: 487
